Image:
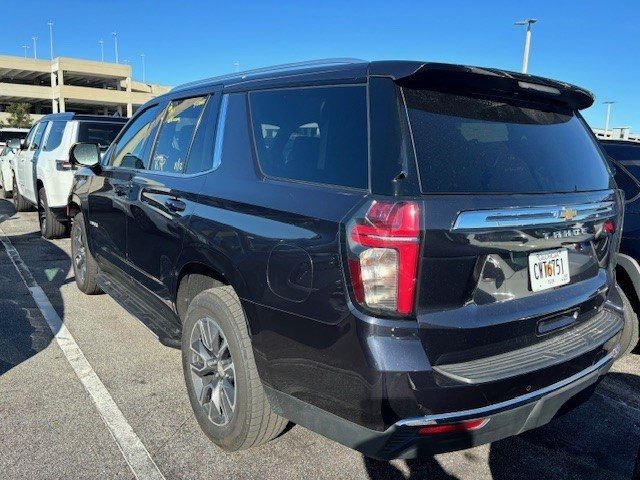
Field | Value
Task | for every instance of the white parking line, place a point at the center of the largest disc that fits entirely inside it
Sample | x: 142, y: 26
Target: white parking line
x: 133, y: 450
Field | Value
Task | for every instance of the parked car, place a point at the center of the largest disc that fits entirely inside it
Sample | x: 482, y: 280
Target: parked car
x: 42, y: 174
x: 7, y: 133
x: 405, y: 257
x: 6, y: 154
x: 625, y: 157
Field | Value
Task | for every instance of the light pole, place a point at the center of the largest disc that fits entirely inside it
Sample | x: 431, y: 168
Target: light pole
x: 50, y: 23
x: 144, y: 69
x: 237, y: 65
x: 115, y: 39
x: 608, y: 103
x: 101, y: 42
x: 35, y: 47
x: 527, y: 42
x: 25, y: 50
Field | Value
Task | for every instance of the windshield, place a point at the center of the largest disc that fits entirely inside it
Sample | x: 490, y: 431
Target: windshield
x: 478, y: 145
x: 6, y: 135
x: 101, y: 133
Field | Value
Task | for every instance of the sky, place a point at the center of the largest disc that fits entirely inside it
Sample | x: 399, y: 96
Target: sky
x: 594, y: 44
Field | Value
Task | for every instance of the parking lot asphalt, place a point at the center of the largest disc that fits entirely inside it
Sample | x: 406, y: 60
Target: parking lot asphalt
x: 50, y: 426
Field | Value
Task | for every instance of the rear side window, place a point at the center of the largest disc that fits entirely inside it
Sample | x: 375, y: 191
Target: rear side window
x: 478, y: 145
x: 101, y: 133
x: 54, y: 139
x: 129, y: 151
x: 176, y: 134
x: 312, y: 134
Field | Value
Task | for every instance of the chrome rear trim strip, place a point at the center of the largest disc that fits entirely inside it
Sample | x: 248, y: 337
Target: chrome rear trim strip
x: 532, y: 216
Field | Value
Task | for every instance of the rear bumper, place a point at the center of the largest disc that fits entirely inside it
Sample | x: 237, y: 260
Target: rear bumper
x: 401, y: 440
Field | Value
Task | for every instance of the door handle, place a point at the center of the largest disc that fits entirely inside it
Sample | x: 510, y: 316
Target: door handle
x: 175, y: 205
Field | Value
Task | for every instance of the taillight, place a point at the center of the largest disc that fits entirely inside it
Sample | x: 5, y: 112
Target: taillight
x: 609, y: 227
x: 383, y: 241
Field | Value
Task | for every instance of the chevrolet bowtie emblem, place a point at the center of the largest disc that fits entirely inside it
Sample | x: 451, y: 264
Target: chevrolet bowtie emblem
x: 568, y: 214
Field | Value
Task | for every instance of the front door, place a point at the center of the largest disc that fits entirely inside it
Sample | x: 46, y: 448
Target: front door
x: 27, y: 163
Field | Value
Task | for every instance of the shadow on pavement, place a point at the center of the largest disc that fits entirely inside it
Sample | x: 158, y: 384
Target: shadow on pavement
x: 599, y: 439
x: 23, y: 331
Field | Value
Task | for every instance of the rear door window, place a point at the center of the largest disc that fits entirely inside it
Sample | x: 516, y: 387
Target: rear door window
x: 316, y: 135
x: 477, y: 145
x: 176, y: 134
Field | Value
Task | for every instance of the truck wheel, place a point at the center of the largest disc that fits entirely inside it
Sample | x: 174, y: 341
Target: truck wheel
x: 19, y: 202
x: 50, y: 226
x: 222, y: 380
x: 630, y: 333
x: 85, y: 267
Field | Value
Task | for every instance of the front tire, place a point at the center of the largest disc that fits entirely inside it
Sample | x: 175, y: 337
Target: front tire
x: 19, y: 202
x: 222, y: 380
x: 85, y: 268
x: 50, y: 226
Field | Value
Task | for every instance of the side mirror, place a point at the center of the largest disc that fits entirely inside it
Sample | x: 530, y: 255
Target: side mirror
x: 15, y: 143
x: 87, y: 154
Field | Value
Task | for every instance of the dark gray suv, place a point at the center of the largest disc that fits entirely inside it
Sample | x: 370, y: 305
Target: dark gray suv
x: 406, y: 257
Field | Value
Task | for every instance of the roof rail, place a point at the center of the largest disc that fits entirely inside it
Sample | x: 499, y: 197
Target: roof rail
x: 325, y: 62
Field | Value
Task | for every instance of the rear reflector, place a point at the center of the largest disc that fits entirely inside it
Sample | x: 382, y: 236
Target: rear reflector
x: 466, y: 426
x: 609, y: 227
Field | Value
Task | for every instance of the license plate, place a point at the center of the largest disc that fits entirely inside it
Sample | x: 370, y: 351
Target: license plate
x: 549, y: 269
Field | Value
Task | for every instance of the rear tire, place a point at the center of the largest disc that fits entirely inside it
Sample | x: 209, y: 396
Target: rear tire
x: 250, y: 421
x: 630, y: 333
x: 50, y: 226
x: 85, y: 268
x: 20, y: 204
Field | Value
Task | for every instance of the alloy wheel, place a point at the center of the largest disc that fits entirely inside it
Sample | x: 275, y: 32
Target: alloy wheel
x: 79, y: 254
x: 212, y: 371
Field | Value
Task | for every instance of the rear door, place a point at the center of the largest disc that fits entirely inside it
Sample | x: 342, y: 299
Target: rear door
x: 108, y: 200
x: 517, y: 204
x: 163, y: 196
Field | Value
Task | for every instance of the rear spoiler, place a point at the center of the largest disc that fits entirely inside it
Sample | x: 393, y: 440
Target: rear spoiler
x: 488, y: 81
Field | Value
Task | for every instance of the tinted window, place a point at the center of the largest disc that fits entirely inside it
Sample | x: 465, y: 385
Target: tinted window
x: 101, y: 133
x: 621, y: 152
x: 200, y: 157
x: 56, y: 131
x: 176, y: 133
x: 479, y: 145
x: 8, y: 135
x: 129, y: 152
x: 626, y: 181
x: 312, y: 134
x: 37, y: 137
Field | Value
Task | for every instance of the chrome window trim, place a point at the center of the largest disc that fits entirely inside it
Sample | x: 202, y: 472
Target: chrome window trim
x: 532, y: 216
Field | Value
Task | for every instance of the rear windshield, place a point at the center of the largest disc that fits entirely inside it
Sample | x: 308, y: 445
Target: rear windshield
x: 479, y: 145
x: 101, y: 133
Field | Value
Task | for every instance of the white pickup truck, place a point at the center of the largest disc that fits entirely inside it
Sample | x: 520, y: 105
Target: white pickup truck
x: 42, y: 173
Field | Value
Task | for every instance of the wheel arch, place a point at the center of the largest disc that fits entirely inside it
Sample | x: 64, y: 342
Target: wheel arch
x: 198, y: 274
x: 628, y: 277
